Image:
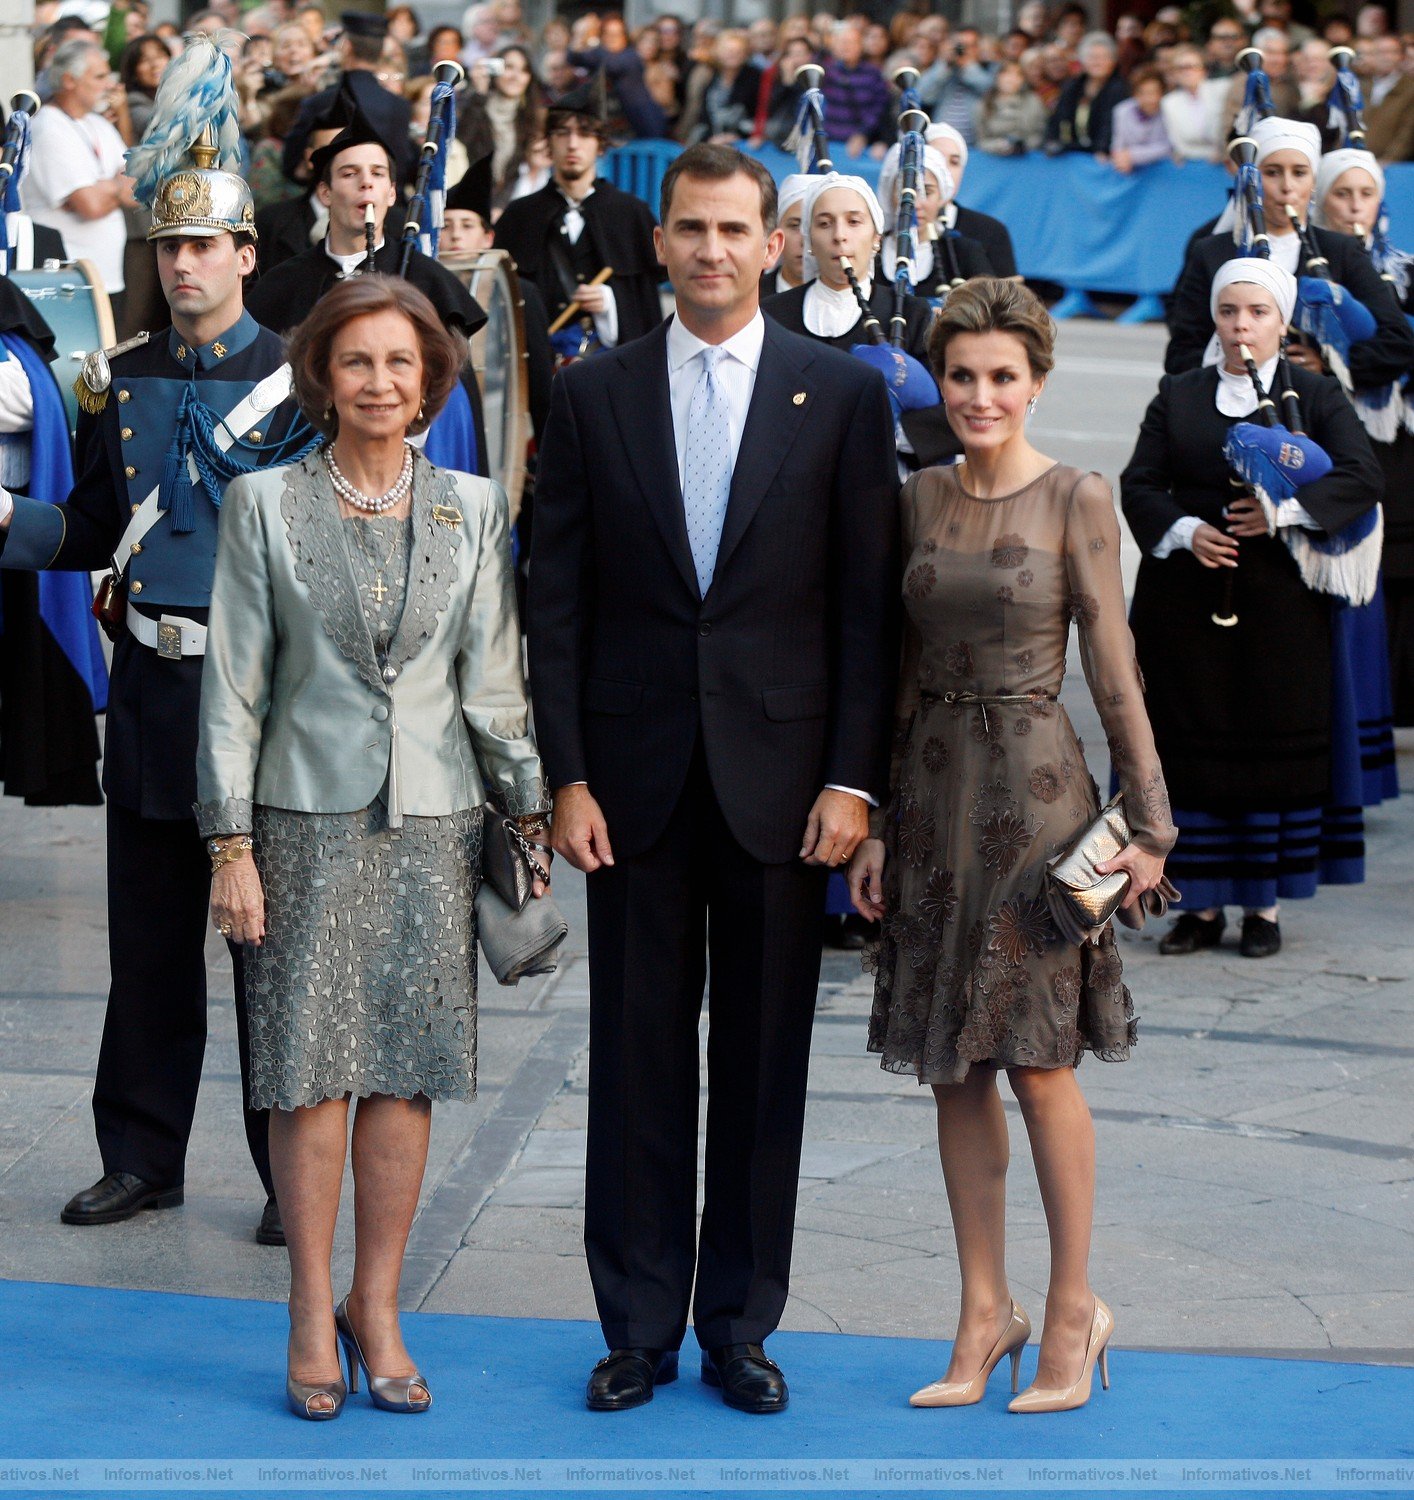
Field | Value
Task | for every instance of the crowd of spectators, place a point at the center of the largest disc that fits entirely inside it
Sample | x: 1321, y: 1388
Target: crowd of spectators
x: 1151, y: 91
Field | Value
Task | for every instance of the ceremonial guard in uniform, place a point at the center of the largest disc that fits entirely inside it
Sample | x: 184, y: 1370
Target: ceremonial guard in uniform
x: 579, y: 227
x: 356, y: 172
x: 165, y: 424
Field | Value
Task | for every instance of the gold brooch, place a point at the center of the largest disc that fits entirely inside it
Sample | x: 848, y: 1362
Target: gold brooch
x: 446, y: 515
x: 799, y: 398
x: 219, y: 349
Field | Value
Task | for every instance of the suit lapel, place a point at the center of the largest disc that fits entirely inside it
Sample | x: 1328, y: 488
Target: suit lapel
x: 772, y: 422
x: 644, y: 414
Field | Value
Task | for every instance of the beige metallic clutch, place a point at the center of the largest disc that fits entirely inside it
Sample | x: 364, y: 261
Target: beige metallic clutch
x: 1081, y: 900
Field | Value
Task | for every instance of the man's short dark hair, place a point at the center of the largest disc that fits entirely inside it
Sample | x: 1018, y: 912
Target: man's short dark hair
x: 717, y: 164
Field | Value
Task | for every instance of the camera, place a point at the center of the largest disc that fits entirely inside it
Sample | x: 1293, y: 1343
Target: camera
x: 494, y: 66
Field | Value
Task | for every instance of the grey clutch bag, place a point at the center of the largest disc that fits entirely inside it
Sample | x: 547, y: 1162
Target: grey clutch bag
x: 518, y: 943
x: 1081, y: 900
x: 519, y: 935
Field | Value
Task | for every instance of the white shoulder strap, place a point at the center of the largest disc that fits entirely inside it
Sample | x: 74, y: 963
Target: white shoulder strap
x: 265, y: 397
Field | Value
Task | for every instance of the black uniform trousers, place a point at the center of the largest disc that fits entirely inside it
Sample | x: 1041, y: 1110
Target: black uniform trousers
x: 655, y: 919
x: 154, y: 1032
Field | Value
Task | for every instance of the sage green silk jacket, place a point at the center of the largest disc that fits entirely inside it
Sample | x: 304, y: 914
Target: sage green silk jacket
x: 296, y: 711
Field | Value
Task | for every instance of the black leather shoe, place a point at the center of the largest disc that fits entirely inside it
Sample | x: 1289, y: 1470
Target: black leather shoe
x: 1192, y: 932
x: 625, y: 1378
x: 270, y: 1230
x: 748, y: 1380
x: 115, y: 1197
x: 1260, y: 938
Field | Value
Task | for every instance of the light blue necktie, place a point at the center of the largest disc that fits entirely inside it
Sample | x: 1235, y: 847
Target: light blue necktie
x: 707, y: 473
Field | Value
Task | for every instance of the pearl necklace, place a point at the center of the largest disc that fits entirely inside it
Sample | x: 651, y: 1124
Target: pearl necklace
x: 372, y: 505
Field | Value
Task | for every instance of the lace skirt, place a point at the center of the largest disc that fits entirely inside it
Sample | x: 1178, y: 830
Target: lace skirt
x: 366, y: 982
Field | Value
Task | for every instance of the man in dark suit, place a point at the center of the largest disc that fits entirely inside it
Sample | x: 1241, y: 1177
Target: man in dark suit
x: 360, y: 52
x: 713, y: 656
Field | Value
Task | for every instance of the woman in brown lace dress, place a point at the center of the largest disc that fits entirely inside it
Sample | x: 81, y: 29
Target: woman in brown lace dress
x: 989, y: 782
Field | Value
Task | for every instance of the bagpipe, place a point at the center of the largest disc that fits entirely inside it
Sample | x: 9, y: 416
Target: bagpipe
x: 570, y: 344
x: 1271, y: 457
x: 910, y: 385
x: 429, y: 192
x: 12, y: 164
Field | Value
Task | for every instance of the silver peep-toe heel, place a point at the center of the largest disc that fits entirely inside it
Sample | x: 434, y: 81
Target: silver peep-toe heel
x: 299, y: 1395
x: 391, y: 1392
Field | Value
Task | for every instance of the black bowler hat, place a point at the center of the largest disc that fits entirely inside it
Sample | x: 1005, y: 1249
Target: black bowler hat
x: 358, y: 132
x: 364, y: 23
x: 472, y: 195
x: 585, y: 101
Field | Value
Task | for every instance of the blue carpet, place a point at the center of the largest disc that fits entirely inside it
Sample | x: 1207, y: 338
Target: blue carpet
x: 92, y: 1375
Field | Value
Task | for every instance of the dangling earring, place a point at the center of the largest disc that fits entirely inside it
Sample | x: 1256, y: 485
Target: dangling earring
x: 328, y: 412
x: 1031, y: 405
x: 421, y: 412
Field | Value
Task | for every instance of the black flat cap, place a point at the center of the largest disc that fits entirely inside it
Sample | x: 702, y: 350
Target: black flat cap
x: 364, y: 23
x: 472, y: 195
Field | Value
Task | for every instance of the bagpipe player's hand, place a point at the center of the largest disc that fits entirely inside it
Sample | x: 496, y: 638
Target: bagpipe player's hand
x: 1305, y: 358
x: 591, y: 298
x: 1246, y: 518
x: 1213, y: 549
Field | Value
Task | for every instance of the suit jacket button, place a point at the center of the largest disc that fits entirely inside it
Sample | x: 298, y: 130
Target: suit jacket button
x: 136, y: 587
x: 380, y: 712
x: 705, y: 628
x: 127, y: 434
x: 694, y: 697
x: 130, y: 472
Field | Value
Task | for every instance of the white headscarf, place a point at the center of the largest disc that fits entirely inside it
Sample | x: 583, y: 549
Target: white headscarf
x: 1275, y: 134
x: 1334, y: 165
x: 821, y: 183
x: 937, y: 131
x: 792, y: 190
x: 891, y: 177
x: 1264, y: 273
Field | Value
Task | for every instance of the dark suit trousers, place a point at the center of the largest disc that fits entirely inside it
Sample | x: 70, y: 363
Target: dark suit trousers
x: 154, y: 1032
x: 654, y: 921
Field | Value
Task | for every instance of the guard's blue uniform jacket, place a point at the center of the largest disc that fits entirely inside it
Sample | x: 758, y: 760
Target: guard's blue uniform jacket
x: 150, y: 750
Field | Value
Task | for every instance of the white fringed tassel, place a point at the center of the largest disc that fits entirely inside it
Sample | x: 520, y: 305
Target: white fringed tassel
x: 1352, y: 575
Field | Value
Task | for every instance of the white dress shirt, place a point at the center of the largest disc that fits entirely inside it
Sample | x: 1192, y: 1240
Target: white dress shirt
x: 348, y: 264
x: 828, y: 313
x: 736, y: 374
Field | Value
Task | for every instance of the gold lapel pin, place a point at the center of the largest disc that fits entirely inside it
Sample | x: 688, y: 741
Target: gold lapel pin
x: 799, y: 398
x: 445, y: 515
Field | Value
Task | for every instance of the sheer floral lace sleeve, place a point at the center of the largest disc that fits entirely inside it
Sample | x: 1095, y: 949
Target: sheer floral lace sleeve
x: 1096, y: 603
x: 910, y: 653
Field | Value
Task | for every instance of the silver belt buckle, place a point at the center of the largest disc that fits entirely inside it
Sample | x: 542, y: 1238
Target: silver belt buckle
x: 169, y: 641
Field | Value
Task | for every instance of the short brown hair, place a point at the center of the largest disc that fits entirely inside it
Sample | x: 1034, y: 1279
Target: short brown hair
x: 444, y: 350
x: 987, y: 304
x: 717, y: 163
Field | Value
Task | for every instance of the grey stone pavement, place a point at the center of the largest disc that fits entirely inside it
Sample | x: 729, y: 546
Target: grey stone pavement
x: 1256, y: 1155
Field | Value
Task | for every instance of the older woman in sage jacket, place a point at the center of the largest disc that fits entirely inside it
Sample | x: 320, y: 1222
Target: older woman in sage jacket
x: 362, y: 698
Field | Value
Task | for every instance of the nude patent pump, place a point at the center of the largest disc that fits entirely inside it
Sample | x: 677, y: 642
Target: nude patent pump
x: 1036, y: 1398
x: 969, y: 1392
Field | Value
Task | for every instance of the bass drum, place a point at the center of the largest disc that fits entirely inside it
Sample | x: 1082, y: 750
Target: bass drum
x: 72, y: 299
x: 501, y: 363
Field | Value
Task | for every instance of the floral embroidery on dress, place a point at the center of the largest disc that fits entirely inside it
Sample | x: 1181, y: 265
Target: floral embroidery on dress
x: 1009, y: 551
x: 1084, y: 608
x: 935, y: 754
x: 939, y: 899
x: 915, y: 832
x: 1005, y: 596
x: 959, y: 659
x: 1020, y: 927
x: 1026, y: 578
x: 921, y: 580
x: 1046, y: 782
x: 989, y: 799
x: 1005, y: 837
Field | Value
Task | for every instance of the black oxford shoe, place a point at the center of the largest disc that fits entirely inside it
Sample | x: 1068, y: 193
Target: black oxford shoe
x: 748, y: 1380
x: 271, y: 1229
x: 1192, y: 932
x: 625, y: 1378
x: 1260, y: 938
x: 115, y: 1197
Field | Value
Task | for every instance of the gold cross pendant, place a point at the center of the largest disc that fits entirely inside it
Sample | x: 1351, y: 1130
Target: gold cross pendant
x: 379, y: 591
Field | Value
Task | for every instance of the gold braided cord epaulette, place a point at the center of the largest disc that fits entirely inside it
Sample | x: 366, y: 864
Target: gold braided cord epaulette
x: 95, y: 377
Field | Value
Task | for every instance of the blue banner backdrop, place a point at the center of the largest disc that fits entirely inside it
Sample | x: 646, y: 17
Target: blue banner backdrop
x: 1074, y: 220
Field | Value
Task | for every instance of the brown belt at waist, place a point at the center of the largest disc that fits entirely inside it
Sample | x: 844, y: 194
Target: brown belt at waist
x: 983, y: 699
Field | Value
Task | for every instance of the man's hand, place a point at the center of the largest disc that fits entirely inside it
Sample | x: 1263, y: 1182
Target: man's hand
x: 578, y: 832
x: 591, y: 298
x: 1213, y: 549
x: 837, y: 823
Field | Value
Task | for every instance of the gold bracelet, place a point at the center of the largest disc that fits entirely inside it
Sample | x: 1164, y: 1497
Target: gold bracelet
x: 533, y: 823
x: 225, y: 854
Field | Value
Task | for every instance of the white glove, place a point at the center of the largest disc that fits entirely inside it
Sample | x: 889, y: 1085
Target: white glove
x: 7, y: 506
